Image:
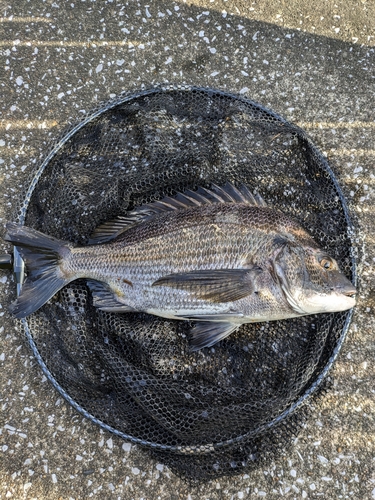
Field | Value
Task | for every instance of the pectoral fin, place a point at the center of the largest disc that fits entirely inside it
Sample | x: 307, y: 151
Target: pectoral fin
x: 208, y: 333
x: 215, y: 285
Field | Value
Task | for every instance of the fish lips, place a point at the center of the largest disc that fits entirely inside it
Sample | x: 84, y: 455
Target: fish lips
x: 340, y: 284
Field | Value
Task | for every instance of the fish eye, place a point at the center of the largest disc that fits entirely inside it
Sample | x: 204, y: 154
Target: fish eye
x: 326, y: 263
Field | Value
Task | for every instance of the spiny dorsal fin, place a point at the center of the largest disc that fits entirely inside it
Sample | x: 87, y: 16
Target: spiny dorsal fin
x: 188, y: 199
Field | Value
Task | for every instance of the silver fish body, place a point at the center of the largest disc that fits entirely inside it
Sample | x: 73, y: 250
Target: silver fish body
x: 219, y: 257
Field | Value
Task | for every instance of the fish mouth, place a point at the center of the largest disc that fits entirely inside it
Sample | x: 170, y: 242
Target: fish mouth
x: 348, y: 290
x: 341, y: 284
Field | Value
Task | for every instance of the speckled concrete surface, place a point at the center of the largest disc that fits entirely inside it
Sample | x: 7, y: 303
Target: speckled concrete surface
x: 313, y: 63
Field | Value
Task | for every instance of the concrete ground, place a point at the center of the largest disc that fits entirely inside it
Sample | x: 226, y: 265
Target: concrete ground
x: 311, y: 62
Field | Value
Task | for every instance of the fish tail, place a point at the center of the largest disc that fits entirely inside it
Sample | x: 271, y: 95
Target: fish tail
x: 42, y: 255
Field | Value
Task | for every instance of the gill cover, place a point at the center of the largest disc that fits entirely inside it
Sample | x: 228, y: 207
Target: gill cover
x: 287, y: 264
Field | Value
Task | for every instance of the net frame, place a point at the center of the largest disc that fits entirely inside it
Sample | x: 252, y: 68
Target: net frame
x: 311, y: 391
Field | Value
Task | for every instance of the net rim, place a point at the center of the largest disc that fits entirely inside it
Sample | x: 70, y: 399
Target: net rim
x: 313, y: 387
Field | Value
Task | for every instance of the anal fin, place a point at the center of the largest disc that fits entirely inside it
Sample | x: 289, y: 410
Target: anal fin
x: 104, y: 298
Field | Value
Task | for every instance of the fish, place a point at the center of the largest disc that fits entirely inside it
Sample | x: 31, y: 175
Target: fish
x: 218, y: 257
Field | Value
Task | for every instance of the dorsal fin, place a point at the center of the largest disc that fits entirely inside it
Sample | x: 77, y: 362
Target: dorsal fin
x: 188, y: 199
x: 202, y: 196
x: 113, y: 228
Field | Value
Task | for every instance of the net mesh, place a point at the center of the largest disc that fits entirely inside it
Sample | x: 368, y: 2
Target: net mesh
x: 221, y: 410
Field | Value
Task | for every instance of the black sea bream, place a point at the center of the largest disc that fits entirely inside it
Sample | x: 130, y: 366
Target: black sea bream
x: 220, y: 257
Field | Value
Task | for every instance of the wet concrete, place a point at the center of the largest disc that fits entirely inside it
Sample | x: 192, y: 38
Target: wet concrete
x: 313, y: 63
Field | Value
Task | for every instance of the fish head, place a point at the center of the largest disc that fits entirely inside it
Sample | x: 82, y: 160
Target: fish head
x: 312, y: 281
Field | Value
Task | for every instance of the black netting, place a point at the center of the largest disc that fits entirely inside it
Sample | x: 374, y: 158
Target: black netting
x: 217, y: 411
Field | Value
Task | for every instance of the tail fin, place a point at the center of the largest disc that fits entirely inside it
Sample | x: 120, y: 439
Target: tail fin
x: 42, y: 255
